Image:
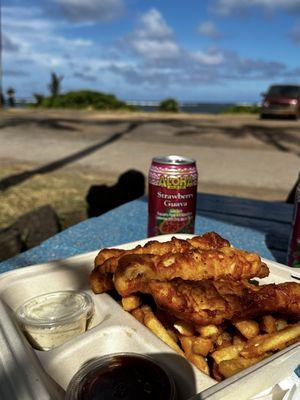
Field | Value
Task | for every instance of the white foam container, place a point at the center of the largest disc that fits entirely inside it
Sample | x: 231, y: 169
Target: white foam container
x: 28, y: 374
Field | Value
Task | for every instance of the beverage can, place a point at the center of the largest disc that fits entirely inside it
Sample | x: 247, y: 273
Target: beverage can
x: 294, y: 243
x: 172, y: 195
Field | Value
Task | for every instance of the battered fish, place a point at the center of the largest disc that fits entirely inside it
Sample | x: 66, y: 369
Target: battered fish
x: 194, y: 265
x: 209, y: 302
x: 107, y: 260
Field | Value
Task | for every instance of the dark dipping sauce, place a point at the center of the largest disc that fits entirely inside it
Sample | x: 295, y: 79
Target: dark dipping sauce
x: 127, y: 378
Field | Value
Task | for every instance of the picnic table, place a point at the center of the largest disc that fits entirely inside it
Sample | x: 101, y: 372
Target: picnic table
x: 259, y: 226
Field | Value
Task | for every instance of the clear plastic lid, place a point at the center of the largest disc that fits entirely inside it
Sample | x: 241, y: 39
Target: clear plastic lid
x: 56, y: 308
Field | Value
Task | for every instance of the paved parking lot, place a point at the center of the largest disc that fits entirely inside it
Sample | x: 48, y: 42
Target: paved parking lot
x: 235, y: 154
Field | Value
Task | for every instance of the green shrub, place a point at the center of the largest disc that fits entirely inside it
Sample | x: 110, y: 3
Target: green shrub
x: 84, y: 99
x: 38, y: 98
x: 240, y: 109
x: 169, y: 105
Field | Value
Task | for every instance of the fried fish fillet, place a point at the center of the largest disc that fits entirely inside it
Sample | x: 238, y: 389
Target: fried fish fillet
x: 107, y: 260
x: 213, y: 302
x: 194, y: 265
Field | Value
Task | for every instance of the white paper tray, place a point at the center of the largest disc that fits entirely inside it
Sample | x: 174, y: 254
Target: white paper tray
x: 27, y: 374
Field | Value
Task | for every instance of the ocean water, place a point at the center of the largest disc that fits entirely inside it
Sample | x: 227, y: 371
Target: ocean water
x: 193, y: 108
x: 150, y: 106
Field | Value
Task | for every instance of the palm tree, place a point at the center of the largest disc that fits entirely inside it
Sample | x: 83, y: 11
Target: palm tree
x: 11, y: 97
x: 55, y: 84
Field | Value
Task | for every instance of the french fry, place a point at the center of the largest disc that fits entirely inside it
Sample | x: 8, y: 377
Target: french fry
x: 131, y: 302
x: 186, y: 344
x: 198, y: 360
x: 271, y: 341
x: 238, y: 339
x: 268, y: 324
x: 173, y: 334
x: 223, y: 340
x: 209, y: 331
x: 215, y: 372
x: 138, y: 314
x: 228, y: 368
x: 227, y: 353
x: 184, y: 328
x: 280, y: 324
x: 202, y: 346
x: 158, y: 329
x: 247, y: 327
x: 229, y: 347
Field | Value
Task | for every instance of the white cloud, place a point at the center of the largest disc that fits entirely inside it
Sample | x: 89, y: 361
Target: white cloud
x: 289, y: 5
x: 24, y: 19
x: 147, y: 59
x: 209, y: 29
x: 9, y: 45
x: 85, y: 76
x: 34, y: 47
x: 153, y: 25
x: 90, y: 10
x: 14, y: 73
x: 153, y: 49
x: 247, y: 68
x: 153, y: 38
x: 35, y: 38
x: 228, y: 7
x: 294, y: 34
x: 209, y: 57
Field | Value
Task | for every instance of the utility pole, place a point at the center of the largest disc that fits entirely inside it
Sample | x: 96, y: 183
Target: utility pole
x: 1, y: 70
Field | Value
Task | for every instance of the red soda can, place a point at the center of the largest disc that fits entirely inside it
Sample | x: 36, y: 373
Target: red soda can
x: 172, y: 195
x: 294, y: 243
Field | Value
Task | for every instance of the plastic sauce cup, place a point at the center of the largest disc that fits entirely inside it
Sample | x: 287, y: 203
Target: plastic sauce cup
x: 122, y: 376
x: 54, y: 318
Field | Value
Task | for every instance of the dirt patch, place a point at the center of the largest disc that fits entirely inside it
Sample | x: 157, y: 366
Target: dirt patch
x: 54, y: 156
x: 64, y: 191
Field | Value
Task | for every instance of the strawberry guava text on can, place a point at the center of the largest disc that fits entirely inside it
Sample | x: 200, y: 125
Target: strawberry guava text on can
x: 172, y: 195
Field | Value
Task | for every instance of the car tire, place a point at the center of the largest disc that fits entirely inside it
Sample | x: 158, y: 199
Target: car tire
x: 263, y: 116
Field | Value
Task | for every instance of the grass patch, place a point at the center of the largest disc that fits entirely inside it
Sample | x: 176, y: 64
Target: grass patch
x: 64, y: 191
x: 240, y: 109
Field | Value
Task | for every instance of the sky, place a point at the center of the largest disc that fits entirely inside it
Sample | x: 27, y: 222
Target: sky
x: 193, y: 50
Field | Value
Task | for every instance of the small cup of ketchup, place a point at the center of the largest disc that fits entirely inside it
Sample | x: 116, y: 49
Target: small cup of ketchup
x: 122, y: 376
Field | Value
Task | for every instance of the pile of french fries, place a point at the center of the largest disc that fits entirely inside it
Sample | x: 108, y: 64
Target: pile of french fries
x: 217, y: 350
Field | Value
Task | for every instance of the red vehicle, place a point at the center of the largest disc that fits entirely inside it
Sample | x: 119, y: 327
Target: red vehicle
x: 281, y: 100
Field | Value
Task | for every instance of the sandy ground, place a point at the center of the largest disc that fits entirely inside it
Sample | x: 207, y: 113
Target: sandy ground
x: 236, y: 154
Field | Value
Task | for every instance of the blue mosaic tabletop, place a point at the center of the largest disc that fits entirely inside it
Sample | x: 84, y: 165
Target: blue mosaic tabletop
x: 126, y: 223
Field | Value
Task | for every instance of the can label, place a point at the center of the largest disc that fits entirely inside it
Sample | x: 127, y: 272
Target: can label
x: 294, y: 244
x: 172, y: 198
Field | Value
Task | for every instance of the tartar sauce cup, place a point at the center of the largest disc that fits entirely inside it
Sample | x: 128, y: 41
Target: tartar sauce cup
x: 52, y: 319
x: 122, y: 376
